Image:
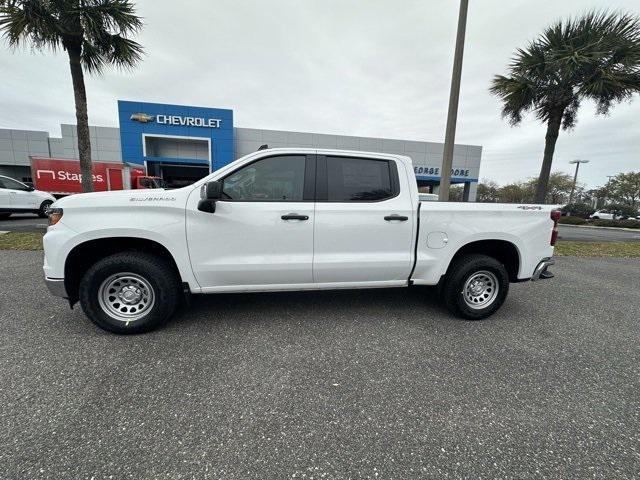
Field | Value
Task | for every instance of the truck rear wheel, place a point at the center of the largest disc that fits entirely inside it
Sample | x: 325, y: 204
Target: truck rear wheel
x: 129, y: 292
x: 475, y: 287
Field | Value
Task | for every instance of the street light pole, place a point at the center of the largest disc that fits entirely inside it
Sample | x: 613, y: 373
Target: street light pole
x: 575, y: 177
x: 454, y: 95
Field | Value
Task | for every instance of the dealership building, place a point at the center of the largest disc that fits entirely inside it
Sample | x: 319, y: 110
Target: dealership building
x: 184, y: 143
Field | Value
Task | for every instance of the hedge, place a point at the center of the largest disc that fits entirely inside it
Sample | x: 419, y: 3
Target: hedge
x: 600, y: 223
x: 617, y: 223
x: 573, y: 220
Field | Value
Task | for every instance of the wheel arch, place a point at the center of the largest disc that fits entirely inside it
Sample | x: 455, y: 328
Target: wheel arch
x: 504, y: 251
x: 82, y: 256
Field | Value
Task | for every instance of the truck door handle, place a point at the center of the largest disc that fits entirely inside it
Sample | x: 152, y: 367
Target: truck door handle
x: 400, y: 218
x: 294, y: 216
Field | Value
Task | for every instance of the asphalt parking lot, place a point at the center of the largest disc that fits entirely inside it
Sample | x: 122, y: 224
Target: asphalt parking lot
x: 590, y: 234
x: 362, y: 384
x: 24, y: 222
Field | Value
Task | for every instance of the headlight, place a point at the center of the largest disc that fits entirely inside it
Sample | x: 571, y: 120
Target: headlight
x: 55, y: 214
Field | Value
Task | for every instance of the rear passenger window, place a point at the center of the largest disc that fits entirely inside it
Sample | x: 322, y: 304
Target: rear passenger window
x: 357, y: 179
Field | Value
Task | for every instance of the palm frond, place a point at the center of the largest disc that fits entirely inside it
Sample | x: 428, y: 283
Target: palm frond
x: 93, y: 58
x: 96, y: 30
x: 115, y: 50
x: 518, y: 96
x: 29, y: 21
x: 595, y: 56
x: 116, y: 16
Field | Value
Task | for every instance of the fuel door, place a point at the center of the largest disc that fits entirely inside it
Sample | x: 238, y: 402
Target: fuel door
x: 437, y: 240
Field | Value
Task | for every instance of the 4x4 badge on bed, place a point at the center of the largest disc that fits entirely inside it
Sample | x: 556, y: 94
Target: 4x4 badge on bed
x: 530, y: 207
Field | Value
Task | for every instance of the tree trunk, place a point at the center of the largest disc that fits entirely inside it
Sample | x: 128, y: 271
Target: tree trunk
x: 553, y: 128
x: 82, y: 119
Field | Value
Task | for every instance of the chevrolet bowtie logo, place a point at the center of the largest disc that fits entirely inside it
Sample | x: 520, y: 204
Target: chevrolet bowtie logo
x: 142, y: 117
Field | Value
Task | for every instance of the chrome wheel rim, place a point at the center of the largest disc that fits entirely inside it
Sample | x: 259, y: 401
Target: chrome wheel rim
x: 126, y: 296
x: 480, y: 290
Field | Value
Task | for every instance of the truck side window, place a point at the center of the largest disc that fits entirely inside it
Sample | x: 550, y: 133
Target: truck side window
x: 358, y: 179
x: 273, y: 179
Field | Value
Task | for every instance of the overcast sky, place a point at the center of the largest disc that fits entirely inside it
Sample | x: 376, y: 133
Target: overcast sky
x: 371, y: 67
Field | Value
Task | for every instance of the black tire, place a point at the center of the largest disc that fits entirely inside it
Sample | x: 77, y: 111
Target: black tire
x: 42, y: 212
x: 463, y: 269
x: 161, y: 279
x: 4, y: 216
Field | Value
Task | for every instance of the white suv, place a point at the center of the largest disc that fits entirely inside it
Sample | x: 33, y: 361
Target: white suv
x: 16, y: 197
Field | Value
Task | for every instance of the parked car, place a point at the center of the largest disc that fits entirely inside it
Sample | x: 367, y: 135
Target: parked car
x: 16, y: 197
x: 603, y: 215
x: 612, y: 215
x: 288, y: 219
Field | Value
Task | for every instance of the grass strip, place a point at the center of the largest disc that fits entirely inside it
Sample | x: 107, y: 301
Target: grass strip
x: 21, y: 241
x: 591, y: 249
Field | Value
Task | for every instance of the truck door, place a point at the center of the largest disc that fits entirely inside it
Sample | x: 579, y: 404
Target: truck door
x: 364, y: 221
x: 261, y: 233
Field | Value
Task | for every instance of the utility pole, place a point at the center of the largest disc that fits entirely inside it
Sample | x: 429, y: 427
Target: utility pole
x: 454, y: 95
x: 575, y: 177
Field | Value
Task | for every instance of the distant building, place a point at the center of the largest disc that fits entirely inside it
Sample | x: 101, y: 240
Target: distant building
x: 184, y: 143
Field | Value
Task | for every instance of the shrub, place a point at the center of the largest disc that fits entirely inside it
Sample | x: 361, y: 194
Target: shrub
x: 622, y: 209
x: 629, y: 223
x: 572, y: 220
x: 581, y: 210
x: 617, y: 223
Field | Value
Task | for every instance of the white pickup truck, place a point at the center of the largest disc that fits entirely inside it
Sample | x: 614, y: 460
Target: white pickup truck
x: 288, y: 219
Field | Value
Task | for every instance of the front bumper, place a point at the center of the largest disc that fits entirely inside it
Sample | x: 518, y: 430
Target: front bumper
x: 56, y: 287
x: 541, y: 270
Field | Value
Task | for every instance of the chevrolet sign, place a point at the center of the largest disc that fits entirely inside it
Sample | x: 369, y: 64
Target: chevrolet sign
x: 188, y: 121
x: 177, y: 120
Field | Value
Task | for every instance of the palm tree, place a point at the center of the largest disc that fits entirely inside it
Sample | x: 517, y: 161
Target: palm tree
x: 595, y: 56
x: 94, y: 33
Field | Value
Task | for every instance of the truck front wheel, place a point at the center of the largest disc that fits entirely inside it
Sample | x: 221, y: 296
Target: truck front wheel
x: 129, y: 292
x: 475, y: 286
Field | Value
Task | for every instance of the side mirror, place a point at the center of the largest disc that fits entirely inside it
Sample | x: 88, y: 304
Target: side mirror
x: 209, y: 193
x: 212, y: 190
x: 30, y: 188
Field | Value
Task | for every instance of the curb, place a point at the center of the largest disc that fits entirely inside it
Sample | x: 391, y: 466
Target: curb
x: 624, y: 229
